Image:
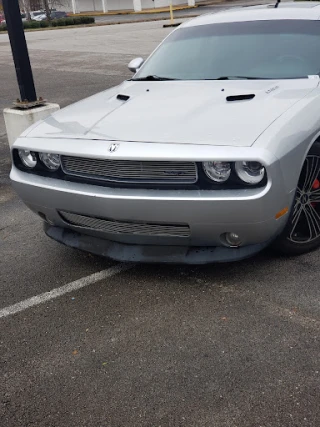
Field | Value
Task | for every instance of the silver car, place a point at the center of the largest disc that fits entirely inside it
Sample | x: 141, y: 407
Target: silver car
x: 209, y: 153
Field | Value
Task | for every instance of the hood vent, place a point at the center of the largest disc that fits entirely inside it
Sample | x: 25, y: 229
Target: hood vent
x: 123, y: 97
x: 244, y: 97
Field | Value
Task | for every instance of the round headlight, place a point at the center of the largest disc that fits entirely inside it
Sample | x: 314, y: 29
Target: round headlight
x: 28, y: 158
x: 52, y: 161
x: 250, y: 172
x: 217, y: 171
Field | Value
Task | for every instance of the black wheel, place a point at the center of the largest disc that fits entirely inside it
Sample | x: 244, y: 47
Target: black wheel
x: 302, y: 233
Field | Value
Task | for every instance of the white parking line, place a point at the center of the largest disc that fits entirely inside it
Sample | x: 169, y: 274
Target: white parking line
x: 55, y: 293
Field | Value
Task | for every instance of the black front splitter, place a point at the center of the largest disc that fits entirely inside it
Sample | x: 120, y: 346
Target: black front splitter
x: 124, y: 252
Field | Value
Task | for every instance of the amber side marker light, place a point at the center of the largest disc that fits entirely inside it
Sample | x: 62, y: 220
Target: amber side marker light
x: 281, y: 213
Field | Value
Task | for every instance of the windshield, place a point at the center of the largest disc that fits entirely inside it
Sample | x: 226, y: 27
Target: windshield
x: 276, y: 49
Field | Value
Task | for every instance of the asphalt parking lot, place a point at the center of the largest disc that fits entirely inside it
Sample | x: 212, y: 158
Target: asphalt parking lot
x: 230, y: 345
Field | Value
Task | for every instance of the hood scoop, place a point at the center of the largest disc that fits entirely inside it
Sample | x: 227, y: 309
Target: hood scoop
x: 244, y: 97
x: 123, y: 97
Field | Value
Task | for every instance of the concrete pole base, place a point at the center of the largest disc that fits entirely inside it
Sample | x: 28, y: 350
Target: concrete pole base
x: 17, y: 121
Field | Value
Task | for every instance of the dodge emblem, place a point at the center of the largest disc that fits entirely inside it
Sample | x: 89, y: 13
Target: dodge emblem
x: 113, y: 148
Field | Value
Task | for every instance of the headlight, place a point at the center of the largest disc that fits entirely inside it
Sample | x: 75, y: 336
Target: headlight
x: 28, y: 158
x: 217, y: 171
x: 250, y: 172
x: 52, y: 161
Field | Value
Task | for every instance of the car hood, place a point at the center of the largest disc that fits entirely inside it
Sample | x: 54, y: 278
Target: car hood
x: 184, y: 112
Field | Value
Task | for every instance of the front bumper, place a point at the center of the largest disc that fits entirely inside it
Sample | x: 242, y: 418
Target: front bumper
x: 250, y: 213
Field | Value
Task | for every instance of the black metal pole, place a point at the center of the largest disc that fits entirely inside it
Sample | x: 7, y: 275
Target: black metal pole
x: 19, y: 51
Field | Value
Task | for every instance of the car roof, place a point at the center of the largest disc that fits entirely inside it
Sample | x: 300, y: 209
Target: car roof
x: 289, y: 10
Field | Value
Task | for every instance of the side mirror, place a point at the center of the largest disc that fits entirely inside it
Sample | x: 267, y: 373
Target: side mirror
x: 135, y: 64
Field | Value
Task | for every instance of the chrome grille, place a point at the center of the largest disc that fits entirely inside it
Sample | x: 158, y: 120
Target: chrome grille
x: 132, y: 228
x: 131, y: 171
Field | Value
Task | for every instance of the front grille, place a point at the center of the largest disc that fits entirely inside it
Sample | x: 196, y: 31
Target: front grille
x: 131, y: 171
x: 129, y: 228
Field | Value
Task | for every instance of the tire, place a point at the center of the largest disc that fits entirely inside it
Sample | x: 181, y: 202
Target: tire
x: 302, y: 232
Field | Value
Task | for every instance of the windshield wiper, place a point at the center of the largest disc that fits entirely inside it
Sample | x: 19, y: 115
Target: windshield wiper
x: 238, y: 78
x: 152, y: 78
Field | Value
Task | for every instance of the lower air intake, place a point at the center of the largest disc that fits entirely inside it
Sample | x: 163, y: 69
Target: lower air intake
x: 128, y: 228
